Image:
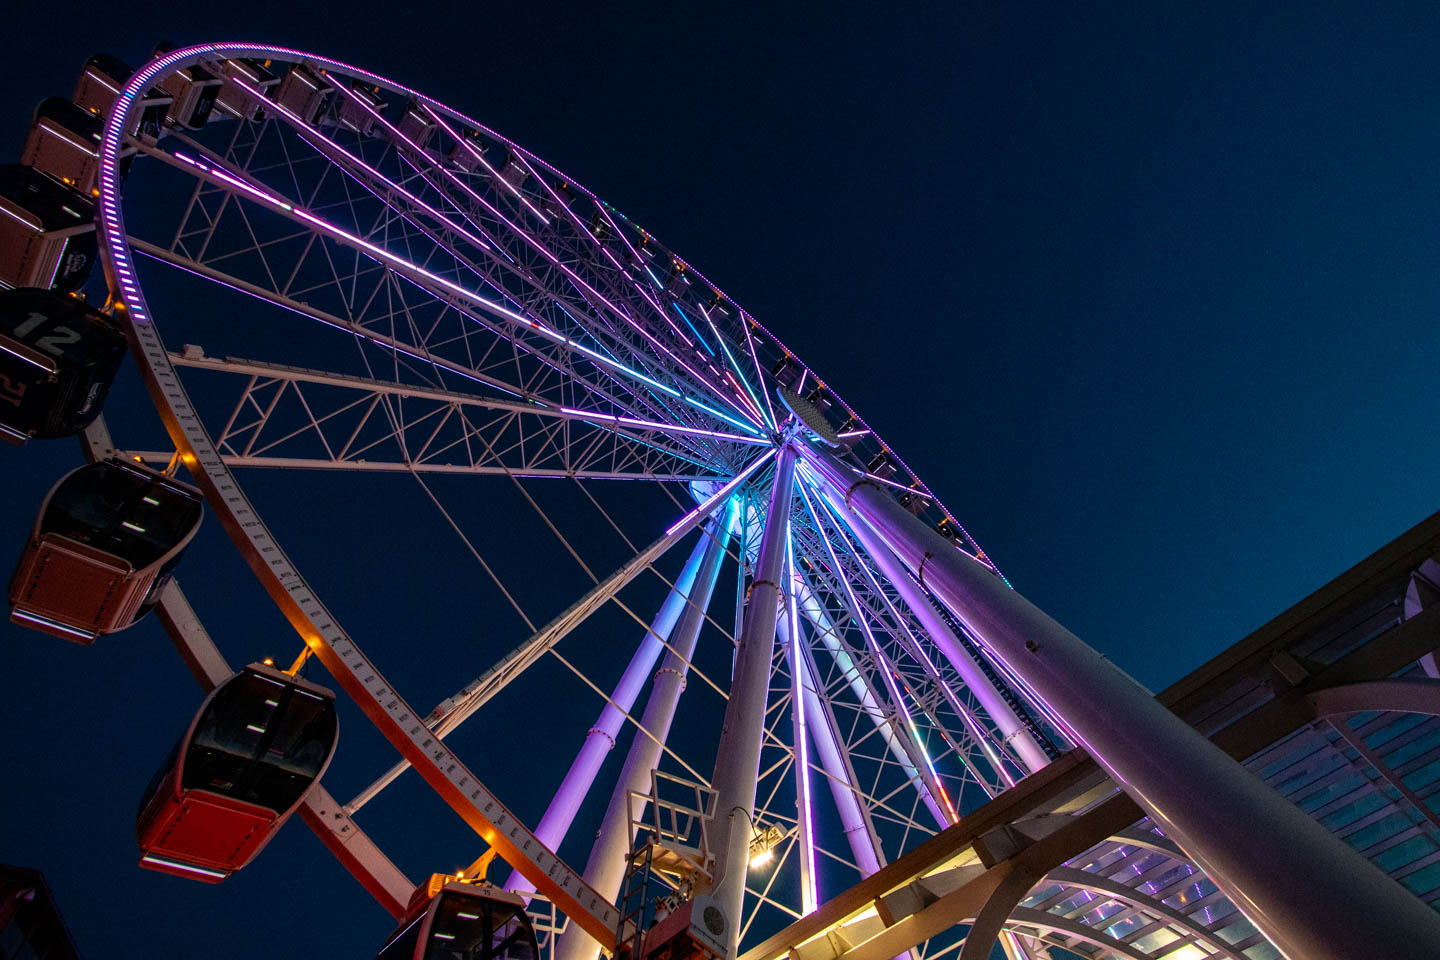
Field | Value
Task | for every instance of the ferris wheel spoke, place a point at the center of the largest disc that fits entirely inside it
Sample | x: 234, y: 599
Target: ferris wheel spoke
x: 388, y: 190
x: 909, y: 649
x: 540, y: 340
x: 640, y: 440
x: 594, y: 296
x: 875, y: 699
x: 683, y: 439
x: 236, y: 176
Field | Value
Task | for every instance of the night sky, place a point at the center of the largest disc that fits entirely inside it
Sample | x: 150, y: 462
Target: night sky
x: 1147, y: 297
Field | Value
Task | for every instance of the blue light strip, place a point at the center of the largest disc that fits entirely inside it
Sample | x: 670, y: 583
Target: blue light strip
x: 738, y: 372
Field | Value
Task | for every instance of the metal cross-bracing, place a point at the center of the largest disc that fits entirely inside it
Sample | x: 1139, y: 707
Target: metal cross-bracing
x: 609, y: 497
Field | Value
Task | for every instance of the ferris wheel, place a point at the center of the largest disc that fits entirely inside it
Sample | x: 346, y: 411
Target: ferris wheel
x: 594, y: 481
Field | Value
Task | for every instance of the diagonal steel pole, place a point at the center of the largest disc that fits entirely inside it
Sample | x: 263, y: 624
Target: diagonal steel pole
x: 1303, y: 887
x: 600, y: 738
x: 606, y: 867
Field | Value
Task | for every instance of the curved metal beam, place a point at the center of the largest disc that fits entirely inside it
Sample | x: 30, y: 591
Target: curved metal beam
x: 1119, y: 891
x: 1397, y: 694
x: 990, y: 919
x: 1071, y: 928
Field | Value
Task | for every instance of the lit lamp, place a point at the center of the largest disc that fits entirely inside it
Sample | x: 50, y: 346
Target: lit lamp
x: 763, y: 843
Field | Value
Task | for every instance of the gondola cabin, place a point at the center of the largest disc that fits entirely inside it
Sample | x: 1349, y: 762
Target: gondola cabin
x: 416, y: 126
x: 64, y: 142
x: 260, y: 740
x: 58, y: 357
x: 453, y: 920
x: 100, y: 84
x: 106, y: 540
x: 245, y: 78
x: 47, y: 236
x: 193, y: 90
x: 305, y: 94
x: 360, y: 111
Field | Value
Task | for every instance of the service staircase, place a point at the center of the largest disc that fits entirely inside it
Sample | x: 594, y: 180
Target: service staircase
x: 670, y: 858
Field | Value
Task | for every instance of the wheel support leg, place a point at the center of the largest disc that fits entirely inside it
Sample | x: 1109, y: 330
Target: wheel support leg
x: 1309, y: 892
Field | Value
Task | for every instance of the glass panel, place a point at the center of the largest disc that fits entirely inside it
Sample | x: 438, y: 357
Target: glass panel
x: 260, y: 741
x: 1404, y: 853
x: 477, y: 928
x: 121, y: 512
x: 301, y: 740
x: 1424, y: 880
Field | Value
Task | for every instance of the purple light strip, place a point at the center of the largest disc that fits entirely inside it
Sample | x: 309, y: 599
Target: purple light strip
x: 744, y: 321
x: 809, y: 888
x: 734, y: 365
x: 971, y: 725
x: 709, y: 505
x: 886, y: 670
x: 639, y: 288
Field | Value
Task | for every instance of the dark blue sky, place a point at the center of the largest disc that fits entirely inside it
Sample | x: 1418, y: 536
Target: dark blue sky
x: 1147, y: 296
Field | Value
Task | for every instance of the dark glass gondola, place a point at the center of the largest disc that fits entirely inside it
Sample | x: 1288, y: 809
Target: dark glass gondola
x: 258, y: 743
x: 416, y: 126
x: 449, y: 919
x: 350, y: 113
x: 47, y: 238
x: 106, y: 540
x: 57, y: 360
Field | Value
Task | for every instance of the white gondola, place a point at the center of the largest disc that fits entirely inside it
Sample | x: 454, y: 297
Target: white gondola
x: 305, y: 94
x: 351, y: 111
x: 100, y: 83
x: 238, y: 101
x: 47, y: 236
x: 64, y: 142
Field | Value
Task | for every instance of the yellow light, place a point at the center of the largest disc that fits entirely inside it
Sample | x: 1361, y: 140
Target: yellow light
x: 762, y: 858
x: 268, y: 661
x: 138, y: 459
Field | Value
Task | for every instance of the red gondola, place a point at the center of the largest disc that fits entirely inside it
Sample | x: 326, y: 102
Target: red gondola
x: 57, y: 360
x: 450, y: 919
x: 260, y: 740
x: 104, y: 544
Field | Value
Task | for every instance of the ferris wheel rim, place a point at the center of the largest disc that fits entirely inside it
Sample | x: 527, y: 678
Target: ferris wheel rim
x: 197, y: 450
